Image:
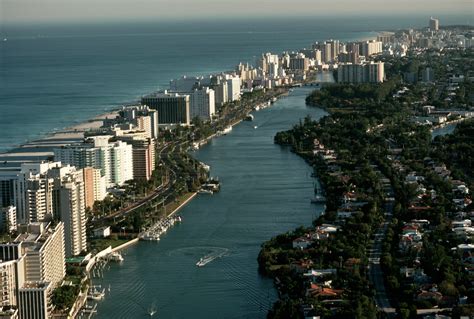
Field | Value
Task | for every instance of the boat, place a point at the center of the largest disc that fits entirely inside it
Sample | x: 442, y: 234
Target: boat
x: 318, y: 199
x: 211, y: 185
x: 205, y: 191
x: 116, y: 256
x: 200, y: 263
x: 255, y: 127
x: 210, y: 257
x: 249, y: 117
x: 228, y: 129
x: 150, y: 237
x: 96, y: 294
x: 274, y: 99
x: 154, y: 232
x: 207, y: 168
x: 204, y: 261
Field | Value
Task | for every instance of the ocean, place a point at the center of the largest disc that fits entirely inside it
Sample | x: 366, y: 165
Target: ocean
x: 55, y: 75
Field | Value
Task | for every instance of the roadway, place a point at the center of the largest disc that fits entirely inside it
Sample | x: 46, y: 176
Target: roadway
x: 162, y: 190
x: 376, y: 275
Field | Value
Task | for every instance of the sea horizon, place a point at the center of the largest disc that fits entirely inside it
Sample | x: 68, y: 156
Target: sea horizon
x: 49, y: 68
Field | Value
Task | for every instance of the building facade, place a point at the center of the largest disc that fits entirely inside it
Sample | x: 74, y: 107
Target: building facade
x: 34, y: 300
x: 434, y: 24
x: 173, y: 108
x: 95, y: 186
x: 373, y: 72
x: 114, y: 159
x: 203, y: 103
x: 8, y: 220
x: 371, y: 47
x: 33, y: 192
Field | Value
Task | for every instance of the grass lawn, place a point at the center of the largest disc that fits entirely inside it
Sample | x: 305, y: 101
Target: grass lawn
x: 175, y: 204
x: 101, y: 244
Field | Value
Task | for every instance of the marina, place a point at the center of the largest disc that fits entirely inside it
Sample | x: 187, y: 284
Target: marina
x: 158, y: 229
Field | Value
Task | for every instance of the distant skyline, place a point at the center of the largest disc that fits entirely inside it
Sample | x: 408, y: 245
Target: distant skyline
x: 24, y: 11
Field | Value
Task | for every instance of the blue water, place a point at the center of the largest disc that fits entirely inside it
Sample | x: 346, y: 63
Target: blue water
x: 52, y: 76
x: 266, y: 190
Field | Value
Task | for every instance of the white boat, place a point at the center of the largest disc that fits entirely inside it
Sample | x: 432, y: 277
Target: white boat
x: 116, y: 256
x: 95, y: 294
x: 228, y: 129
x: 210, y: 257
x: 318, y: 199
x: 255, y: 127
x: 203, y: 261
x: 150, y: 237
x: 274, y: 99
x: 249, y: 117
x: 205, y: 191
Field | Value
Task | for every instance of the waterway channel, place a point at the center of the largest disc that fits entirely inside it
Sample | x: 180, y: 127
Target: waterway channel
x: 266, y: 190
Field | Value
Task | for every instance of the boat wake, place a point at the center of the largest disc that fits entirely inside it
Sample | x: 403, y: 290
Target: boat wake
x: 210, y: 257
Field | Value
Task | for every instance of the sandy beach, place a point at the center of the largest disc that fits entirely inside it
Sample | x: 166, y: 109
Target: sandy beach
x: 42, y: 149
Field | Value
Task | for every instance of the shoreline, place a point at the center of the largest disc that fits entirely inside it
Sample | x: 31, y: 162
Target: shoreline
x: 42, y: 148
x: 37, y: 147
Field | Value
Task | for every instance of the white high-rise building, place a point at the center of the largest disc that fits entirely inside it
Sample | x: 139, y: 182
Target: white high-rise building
x: 267, y: 59
x: 144, y: 123
x: 12, y: 277
x: 69, y: 205
x: 203, y: 103
x: 299, y: 62
x: 376, y: 72
x: 82, y: 155
x: 32, y: 265
x: 142, y: 116
x: 42, y: 244
x: 326, y: 52
x: 434, y: 24
x: 246, y: 72
x: 33, y: 191
x: 233, y: 87
x: 113, y: 159
x: 371, y: 47
x: 121, y: 158
x: 153, y: 114
x: 373, y: 72
x: 273, y: 70
x: 8, y: 220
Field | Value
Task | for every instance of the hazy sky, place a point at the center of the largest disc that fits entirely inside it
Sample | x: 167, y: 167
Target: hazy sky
x: 20, y: 11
